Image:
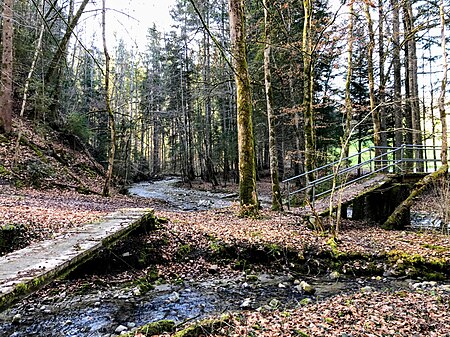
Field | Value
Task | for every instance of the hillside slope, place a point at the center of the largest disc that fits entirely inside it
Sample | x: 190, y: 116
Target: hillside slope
x: 48, y: 159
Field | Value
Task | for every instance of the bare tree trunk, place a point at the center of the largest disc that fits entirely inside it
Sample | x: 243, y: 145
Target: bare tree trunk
x: 53, y: 75
x: 112, y: 124
x: 370, y: 69
x: 442, y: 113
x: 25, y: 92
x: 6, y: 78
x: 246, y: 145
x: 398, y: 110
x: 348, y: 82
x: 308, y: 91
x: 382, y: 76
x: 277, y: 204
x: 412, y: 81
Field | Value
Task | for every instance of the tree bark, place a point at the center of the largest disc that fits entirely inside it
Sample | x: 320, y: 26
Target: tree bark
x: 25, y: 92
x: 382, y: 76
x: 112, y: 124
x: 370, y: 69
x: 442, y: 113
x: 348, y: 82
x: 277, y: 204
x: 411, y: 57
x: 6, y: 90
x: 53, y: 75
x: 308, y: 91
x: 397, y: 218
x: 398, y: 110
x: 246, y: 147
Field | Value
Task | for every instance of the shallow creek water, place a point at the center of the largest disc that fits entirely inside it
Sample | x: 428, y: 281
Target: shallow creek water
x: 102, y: 312
x: 180, y: 198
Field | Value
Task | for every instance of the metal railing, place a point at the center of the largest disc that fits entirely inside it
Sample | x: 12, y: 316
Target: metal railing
x: 404, y: 159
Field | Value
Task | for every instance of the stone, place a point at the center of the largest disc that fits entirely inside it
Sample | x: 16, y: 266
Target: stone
x: 131, y: 325
x: 213, y: 269
x: 17, y: 318
x: 307, y: 288
x: 247, y: 303
x: 367, y: 289
x: 334, y: 275
x: 274, y: 303
x: 120, y: 329
x: 306, y: 301
x: 137, y: 291
x: 445, y: 287
x: 174, y: 297
x: 251, y: 278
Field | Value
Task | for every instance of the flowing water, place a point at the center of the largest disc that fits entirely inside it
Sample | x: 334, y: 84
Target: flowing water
x: 179, y: 198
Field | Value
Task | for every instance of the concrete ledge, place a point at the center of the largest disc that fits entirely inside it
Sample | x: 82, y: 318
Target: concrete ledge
x: 26, y: 270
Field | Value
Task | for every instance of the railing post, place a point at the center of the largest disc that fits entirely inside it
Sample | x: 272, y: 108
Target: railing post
x: 402, y: 153
x: 289, y: 196
x: 313, y: 194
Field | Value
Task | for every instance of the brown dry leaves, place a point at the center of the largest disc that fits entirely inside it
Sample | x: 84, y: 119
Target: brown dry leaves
x: 360, y: 314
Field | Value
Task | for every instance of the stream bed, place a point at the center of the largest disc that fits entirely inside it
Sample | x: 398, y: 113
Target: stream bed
x: 109, y: 311
x: 178, y: 198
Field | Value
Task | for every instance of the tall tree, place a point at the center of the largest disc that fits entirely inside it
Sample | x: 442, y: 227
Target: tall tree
x: 6, y: 78
x: 55, y: 69
x: 442, y: 113
x: 273, y: 155
x: 348, y: 80
x: 412, y: 79
x: 308, y: 90
x: 398, y: 110
x: 246, y: 147
x: 370, y: 68
x: 112, y: 124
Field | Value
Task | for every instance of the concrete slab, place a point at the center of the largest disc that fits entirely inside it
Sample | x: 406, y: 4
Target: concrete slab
x: 25, y: 270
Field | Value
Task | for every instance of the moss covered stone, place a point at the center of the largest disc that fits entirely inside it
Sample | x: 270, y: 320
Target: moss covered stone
x: 204, y: 327
x: 154, y: 328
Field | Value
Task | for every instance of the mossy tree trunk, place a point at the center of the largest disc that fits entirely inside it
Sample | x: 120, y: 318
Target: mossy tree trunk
x: 246, y: 147
x: 6, y: 89
x: 277, y: 204
x: 397, y: 219
x: 442, y: 114
x: 308, y: 91
x: 376, y: 121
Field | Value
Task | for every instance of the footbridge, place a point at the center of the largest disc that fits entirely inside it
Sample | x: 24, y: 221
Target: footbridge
x: 367, y: 170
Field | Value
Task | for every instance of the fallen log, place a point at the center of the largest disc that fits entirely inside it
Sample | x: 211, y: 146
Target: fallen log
x: 400, y: 217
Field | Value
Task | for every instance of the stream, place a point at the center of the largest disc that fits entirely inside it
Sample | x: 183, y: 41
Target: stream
x: 178, y: 198
x: 107, y: 312
x: 112, y: 309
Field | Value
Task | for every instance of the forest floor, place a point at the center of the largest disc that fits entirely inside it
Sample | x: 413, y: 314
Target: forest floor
x: 197, y: 245
x: 218, y: 243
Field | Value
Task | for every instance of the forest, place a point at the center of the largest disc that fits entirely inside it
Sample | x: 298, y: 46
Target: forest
x: 232, y: 100
x: 325, y: 78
